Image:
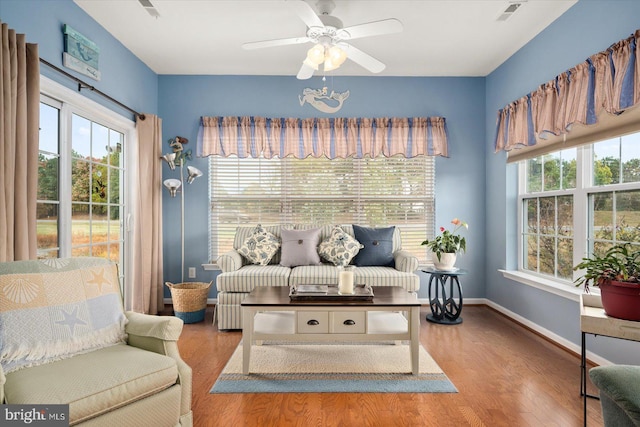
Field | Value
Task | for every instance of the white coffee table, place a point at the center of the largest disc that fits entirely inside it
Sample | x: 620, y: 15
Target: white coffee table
x: 268, y: 313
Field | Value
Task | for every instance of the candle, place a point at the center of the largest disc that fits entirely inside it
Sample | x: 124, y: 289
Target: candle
x: 345, y: 280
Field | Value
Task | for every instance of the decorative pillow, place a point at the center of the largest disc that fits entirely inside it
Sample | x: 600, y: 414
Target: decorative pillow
x: 300, y: 247
x: 378, y: 246
x: 339, y: 248
x: 260, y: 246
x: 56, y: 308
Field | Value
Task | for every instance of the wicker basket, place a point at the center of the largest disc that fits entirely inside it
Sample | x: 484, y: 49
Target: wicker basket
x: 189, y: 300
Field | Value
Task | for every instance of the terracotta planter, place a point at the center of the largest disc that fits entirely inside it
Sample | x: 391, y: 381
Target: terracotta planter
x: 446, y: 263
x: 621, y: 299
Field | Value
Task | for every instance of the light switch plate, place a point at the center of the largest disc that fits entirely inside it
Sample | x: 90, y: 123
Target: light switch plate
x: 192, y: 272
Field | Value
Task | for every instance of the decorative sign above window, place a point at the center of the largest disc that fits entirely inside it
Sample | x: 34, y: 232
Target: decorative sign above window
x: 321, y: 101
x: 80, y: 53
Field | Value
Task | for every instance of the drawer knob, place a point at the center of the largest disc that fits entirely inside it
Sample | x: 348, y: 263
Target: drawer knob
x: 349, y: 322
x: 313, y: 322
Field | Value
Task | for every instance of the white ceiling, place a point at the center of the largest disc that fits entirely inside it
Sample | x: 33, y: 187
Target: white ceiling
x: 440, y: 37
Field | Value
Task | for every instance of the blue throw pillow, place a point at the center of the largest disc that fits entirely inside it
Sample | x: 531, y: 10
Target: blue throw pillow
x: 378, y: 246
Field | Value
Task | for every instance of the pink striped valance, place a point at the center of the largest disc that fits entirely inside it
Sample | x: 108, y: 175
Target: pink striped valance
x: 608, y: 81
x: 317, y: 137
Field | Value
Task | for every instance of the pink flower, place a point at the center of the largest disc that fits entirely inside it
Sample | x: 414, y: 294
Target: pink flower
x: 455, y: 221
x: 441, y: 229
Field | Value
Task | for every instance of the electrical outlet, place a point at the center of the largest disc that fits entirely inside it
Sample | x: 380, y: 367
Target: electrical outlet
x: 192, y: 272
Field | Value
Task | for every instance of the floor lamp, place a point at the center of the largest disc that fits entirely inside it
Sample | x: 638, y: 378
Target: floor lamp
x: 175, y: 185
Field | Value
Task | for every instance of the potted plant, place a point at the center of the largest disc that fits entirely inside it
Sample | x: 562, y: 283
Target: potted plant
x: 445, y: 247
x: 617, y: 274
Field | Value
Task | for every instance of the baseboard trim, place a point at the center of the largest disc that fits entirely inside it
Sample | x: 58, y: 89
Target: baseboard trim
x: 547, y: 334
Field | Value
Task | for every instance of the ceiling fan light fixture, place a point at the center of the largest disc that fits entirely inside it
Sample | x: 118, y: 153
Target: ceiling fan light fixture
x: 330, y: 65
x: 316, y: 54
x: 337, y: 55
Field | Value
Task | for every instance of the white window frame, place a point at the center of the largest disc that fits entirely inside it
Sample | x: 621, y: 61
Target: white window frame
x: 584, y: 188
x: 74, y: 103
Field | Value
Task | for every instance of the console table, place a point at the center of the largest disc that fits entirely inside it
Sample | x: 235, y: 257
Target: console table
x: 445, y: 310
x: 593, y: 320
x: 268, y: 313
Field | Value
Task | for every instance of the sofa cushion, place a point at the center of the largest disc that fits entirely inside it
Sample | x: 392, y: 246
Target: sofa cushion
x: 339, y: 248
x: 386, y: 276
x: 250, y: 276
x: 325, y: 274
x: 260, y: 246
x: 125, y: 374
x: 56, y: 308
x: 377, y: 246
x: 300, y: 247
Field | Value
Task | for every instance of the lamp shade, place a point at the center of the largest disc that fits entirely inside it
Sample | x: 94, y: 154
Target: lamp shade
x: 193, y: 174
x: 316, y: 54
x: 172, y: 185
x: 337, y: 55
x: 170, y: 159
x: 330, y: 65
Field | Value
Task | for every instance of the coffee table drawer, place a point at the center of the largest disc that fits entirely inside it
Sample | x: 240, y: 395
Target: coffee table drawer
x: 312, y: 322
x: 348, y: 322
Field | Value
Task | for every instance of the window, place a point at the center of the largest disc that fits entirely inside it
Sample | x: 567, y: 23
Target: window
x: 374, y: 192
x: 48, y: 179
x: 81, y: 207
x: 96, y: 199
x: 578, y: 202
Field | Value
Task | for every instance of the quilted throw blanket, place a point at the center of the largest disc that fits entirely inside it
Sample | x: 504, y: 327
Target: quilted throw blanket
x: 55, y: 308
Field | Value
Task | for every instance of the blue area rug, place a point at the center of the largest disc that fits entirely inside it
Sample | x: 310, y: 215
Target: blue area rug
x: 341, y: 368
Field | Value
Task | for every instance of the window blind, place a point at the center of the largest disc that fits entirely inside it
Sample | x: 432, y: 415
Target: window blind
x: 377, y: 192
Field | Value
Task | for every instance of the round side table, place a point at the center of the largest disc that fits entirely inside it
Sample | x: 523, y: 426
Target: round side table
x: 445, y: 306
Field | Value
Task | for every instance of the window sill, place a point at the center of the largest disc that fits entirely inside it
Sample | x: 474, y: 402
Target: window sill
x: 211, y: 267
x: 556, y: 287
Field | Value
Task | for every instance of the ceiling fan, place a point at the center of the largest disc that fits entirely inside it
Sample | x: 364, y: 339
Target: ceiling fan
x: 330, y: 38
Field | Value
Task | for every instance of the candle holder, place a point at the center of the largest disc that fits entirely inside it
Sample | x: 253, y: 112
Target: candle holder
x: 346, y: 279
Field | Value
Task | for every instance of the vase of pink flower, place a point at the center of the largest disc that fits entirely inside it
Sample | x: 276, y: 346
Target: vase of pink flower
x: 445, y: 247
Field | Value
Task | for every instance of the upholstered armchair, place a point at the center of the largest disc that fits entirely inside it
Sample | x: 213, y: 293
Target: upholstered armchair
x: 64, y: 339
x: 619, y: 387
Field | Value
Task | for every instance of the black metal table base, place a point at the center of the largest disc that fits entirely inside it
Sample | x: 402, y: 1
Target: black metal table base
x: 445, y: 306
x: 583, y: 378
x: 444, y: 321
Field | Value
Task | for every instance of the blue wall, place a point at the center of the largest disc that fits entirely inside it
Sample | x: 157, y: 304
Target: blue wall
x: 183, y: 99
x: 587, y: 28
x: 124, y: 77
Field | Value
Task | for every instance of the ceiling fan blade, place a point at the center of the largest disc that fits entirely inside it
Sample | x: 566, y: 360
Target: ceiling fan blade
x: 363, y: 59
x: 305, y: 72
x: 376, y: 28
x: 306, y: 13
x: 276, y: 42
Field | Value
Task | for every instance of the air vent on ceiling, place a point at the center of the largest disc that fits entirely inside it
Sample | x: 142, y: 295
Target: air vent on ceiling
x: 148, y: 6
x: 513, y: 6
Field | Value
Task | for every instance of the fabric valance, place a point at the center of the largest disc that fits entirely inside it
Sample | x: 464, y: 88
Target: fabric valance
x: 317, y: 137
x: 607, y: 83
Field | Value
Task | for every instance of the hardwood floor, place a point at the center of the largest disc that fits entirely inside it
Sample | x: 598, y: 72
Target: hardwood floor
x: 505, y: 375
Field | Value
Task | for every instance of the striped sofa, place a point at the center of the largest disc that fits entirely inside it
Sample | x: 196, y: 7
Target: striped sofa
x: 238, y: 277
